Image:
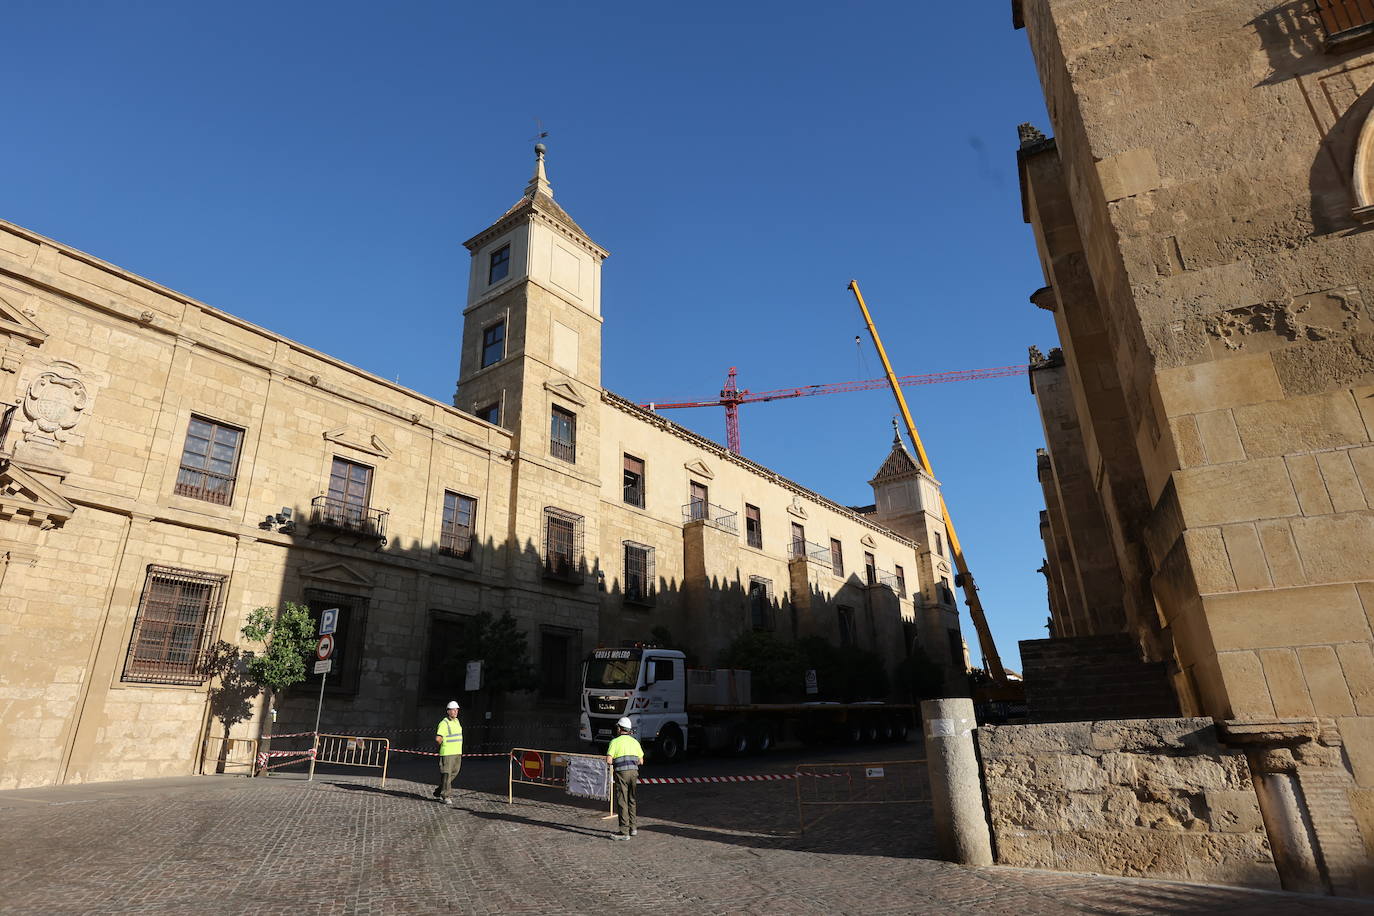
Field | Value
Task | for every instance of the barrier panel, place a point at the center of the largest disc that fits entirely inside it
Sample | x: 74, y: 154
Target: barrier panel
x: 888, y: 782
x: 228, y: 755
x: 351, y: 751
x: 585, y: 775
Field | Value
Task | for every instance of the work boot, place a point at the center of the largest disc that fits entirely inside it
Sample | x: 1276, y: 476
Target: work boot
x: 619, y: 836
x: 634, y: 833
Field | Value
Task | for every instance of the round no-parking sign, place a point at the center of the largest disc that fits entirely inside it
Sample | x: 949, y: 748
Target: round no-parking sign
x: 532, y: 762
x: 325, y: 648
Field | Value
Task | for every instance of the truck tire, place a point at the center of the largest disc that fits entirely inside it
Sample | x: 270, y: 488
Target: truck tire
x: 762, y: 738
x: 853, y: 732
x: 740, y: 741
x: 668, y: 748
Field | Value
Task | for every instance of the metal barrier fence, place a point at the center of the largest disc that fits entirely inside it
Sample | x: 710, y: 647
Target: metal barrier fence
x: 228, y: 755
x: 888, y: 782
x: 532, y: 767
x: 351, y: 751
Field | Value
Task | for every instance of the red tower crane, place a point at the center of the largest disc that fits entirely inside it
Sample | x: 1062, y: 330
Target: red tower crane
x: 731, y: 396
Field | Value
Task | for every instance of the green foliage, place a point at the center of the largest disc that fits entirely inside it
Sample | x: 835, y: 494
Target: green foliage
x: 844, y: 674
x: 505, y: 653
x: 921, y: 677
x: 778, y: 669
x: 287, y: 637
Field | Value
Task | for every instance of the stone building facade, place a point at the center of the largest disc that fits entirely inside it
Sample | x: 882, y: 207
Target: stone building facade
x: 169, y: 467
x: 1201, y: 214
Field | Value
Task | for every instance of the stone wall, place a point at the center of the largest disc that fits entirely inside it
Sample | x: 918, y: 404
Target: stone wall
x: 1137, y: 797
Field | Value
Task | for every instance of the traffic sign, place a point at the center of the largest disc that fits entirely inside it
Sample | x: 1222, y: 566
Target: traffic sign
x: 324, y: 667
x: 532, y: 762
x: 329, y: 621
x: 325, y: 648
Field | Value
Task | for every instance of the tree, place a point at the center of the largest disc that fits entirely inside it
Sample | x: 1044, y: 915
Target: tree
x: 504, y: 651
x: 846, y: 674
x: 286, y: 636
x: 777, y: 669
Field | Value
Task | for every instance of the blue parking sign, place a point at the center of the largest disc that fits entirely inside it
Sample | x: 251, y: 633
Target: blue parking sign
x: 329, y: 621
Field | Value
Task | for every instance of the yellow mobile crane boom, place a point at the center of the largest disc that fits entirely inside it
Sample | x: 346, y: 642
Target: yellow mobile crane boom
x: 991, y: 660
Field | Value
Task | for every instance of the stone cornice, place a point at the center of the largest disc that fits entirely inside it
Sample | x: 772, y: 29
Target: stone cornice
x: 529, y: 209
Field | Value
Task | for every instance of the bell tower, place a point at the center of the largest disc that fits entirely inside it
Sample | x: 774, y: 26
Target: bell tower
x: 532, y: 326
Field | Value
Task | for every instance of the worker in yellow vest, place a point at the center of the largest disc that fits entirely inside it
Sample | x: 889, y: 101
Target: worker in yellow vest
x: 449, y: 737
x: 626, y: 757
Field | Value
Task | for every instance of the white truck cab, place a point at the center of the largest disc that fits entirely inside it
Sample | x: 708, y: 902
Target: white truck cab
x: 646, y: 684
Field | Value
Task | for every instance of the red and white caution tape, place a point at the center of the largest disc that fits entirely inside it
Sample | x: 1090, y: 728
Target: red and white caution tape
x: 406, y: 750
x: 263, y: 756
x: 693, y: 780
x: 292, y: 735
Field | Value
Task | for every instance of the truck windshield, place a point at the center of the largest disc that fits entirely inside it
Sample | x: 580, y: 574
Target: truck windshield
x: 613, y: 672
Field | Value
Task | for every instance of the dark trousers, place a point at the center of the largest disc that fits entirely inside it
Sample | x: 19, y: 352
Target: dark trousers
x: 625, y: 781
x: 448, y: 771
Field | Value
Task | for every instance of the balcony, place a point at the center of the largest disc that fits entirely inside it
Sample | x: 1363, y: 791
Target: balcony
x: 716, y: 516
x: 198, y: 483
x: 337, y: 515
x: 1347, y: 22
x: 456, y: 542
x: 889, y: 580
x: 806, y: 550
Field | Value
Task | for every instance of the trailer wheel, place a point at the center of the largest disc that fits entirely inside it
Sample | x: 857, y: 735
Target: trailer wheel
x: 871, y: 731
x: 740, y: 744
x: 669, y: 747
x: 853, y: 732
x: 763, y: 738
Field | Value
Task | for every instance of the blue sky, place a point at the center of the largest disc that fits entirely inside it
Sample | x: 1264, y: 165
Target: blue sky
x: 315, y: 168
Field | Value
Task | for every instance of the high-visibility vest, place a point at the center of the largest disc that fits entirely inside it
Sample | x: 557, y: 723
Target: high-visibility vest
x: 451, y: 730
x: 624, y: 752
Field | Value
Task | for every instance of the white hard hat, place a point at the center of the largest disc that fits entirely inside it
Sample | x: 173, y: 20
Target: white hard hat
x: 625, y: 723
x: 453, y: 704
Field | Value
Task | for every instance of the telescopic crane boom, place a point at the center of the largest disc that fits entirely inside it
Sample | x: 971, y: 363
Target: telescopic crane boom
x: 991, y: 660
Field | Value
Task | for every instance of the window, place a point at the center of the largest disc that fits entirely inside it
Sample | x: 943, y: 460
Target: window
x: 446, y: 659
x: 753, y: 526
x: 563, y: 434
x: 662, y: 669
x: 698, y: 501
x: 634, y: 481
x: 640, y: 574
x: 901, y: 583
x: 349, y: 636
x: 836, y: 557
x: 761, y: 602
x: 493, y: 343
x: 946, y: 593
x: 491, y: 413
x: 208, y: 461
x: 870, y: 569
x: 499, y: 265
x: 798, y: 541
x: 455, y: 536
x: 350, y: 485
x: 558, y: 649
x: 562, y: 544
x: 846, y: 617
x: 176, y: 624
x: 939, y: 544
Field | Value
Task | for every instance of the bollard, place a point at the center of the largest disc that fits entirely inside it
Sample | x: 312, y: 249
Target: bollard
x: 956, y: 786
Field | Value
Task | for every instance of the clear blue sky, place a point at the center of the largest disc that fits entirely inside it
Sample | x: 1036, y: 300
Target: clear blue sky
x: 314, y: 168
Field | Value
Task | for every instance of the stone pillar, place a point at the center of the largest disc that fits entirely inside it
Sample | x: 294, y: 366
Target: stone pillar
x: 956, y: 788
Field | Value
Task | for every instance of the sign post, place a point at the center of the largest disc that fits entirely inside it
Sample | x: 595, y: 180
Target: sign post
x: 328, y: 621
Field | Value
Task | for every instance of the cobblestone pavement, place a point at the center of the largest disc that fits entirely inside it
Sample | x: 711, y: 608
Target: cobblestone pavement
x: 342, y: 844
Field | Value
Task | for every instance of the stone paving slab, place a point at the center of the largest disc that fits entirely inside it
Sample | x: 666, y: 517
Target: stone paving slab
x: 344, y: 845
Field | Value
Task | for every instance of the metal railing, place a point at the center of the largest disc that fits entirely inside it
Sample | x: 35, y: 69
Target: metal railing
x: 351, y: 751
x: 712, y: 514
x: 890, y: 580
x: 199, y: 483
x: 564, y: 451
x: 326, y: 512
x: 228, y: 755
x: 456, y: 543
x: 1341, y: 17
x: 884, y: 782
x: 816, y: 553
x: 585, y: 775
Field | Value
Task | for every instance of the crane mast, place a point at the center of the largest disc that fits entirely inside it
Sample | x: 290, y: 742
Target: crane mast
x: 991, y: 660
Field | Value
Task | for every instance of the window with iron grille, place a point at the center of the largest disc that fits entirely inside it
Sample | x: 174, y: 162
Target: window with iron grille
x: 753, y: 526
x: 559, y: 649
x: 563, y: 434
x: 491, y: 413
x: 846, y: 620
x: 698, y: 500
x: 209, y: 459
x: 350, y: 636
x: 499, y: 265
x: 446, y: 656
x: 176, y: 624
x: 836, y: 557
x: 563, y: 533
x: 455, y: 536
x: 640, y: 574
x: 493, y: 343
x: 634, y: 481
x: 761, y: 602
x: 901, y: 582
x: 870, y: 569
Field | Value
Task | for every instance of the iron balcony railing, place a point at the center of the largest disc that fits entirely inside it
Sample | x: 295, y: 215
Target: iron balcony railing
x: 713, y: 515
x: 338, y: 515
x: 455, y: 542
x: 563, y: 450
x: 1345, y: 19
x: 198, y: 483
x: 816, y: 553
x: 890, y: 580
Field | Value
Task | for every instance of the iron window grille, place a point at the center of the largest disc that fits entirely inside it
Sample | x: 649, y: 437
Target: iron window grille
x: 634, y: 481
x: 640, y: 573
x: 753, y: 526
x: 209, y: 459
x: 1345, y: 21
x: 455, y: 534
x: 499, y: 265
x: 350, y: 636
x: 563, y: 544
x: 836, y: 557
x: 563, y: 435
x: 175, y: 627
x: 493, y: 343
x: 761, y: 602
